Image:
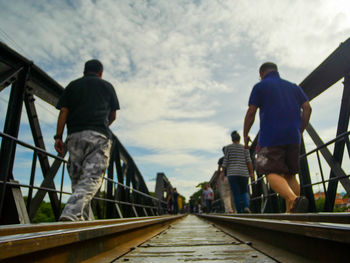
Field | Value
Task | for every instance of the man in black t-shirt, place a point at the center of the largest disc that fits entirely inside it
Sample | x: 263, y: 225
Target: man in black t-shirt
x: 88, y: 106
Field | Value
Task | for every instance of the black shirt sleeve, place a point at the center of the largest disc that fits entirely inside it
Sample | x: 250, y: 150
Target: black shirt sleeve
x: 114, y: 100
x: 63, y: 99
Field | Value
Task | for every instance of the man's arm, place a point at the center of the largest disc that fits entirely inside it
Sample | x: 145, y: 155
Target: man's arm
x: 111, y: 117
x: 248, y: 122
x: 305, y: 117
x: 251, y: 170
x: 217, y: 174
x: 61, y: 122
x: 223, y: 173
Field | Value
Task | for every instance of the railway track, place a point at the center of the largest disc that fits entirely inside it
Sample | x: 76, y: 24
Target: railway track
x: 219, y: 237
x: 96, y: 241
x: 290, y: 237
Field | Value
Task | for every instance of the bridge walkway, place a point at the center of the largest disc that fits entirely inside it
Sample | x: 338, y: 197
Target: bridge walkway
x: 193, y: 239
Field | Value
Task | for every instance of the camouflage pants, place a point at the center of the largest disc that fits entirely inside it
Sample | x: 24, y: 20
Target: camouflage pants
x: 88, y: 159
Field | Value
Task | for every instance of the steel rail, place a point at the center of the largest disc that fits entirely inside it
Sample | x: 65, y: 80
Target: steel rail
x: 78, y: 241
x: 310, y: 241
x: 337, y: 218
x: 7, y: 230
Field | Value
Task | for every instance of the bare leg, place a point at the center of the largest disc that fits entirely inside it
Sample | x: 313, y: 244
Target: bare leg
x: 280, y: 185
x: 293, y: 183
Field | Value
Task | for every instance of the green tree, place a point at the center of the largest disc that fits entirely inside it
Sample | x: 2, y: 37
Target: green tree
x: 44, y: 214
x: 320, y: 206
x: 197, y: 195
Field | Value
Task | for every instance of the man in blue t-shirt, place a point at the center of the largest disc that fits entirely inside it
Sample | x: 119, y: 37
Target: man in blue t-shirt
x: 284, y: 114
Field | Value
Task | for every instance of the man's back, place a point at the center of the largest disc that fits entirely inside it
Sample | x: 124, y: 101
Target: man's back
x: 279, y: 102
x: 89, y: 99
x: 236, y: 159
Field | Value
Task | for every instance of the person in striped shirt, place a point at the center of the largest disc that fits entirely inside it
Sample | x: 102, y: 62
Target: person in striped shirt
x: 238, y: 167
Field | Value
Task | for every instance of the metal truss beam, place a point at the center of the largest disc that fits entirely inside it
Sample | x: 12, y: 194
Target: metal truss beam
x: 339, y: 146
x: 330, y: 71
x: 47, y: 183
x: 111, y: 210
x: 333, y: 164
x: 162, y: 186
x: 43, y: 86
x: 43, y: 159
x: 9, y: 77
x: 29, y: 78
x: 8, y: 151
x: 305, y: 179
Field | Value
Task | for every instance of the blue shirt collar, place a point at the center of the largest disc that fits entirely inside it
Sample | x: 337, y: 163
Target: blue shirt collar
x: 272, y: 74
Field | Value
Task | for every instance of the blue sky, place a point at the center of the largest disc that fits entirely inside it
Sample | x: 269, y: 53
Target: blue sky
x: 183, y: 70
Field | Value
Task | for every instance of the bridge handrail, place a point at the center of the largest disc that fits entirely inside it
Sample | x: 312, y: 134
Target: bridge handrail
x: 44, y: 152
x: 340, y: 137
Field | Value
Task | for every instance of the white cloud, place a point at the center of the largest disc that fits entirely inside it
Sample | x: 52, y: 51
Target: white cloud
x: 174, y: 136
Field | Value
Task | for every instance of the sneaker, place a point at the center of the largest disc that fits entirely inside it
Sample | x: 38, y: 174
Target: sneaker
x: 300, y: 205
x: 247, y: 210
x: 65, y: 219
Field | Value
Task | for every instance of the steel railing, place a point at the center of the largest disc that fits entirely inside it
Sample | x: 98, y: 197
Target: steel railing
x: 155, y: 205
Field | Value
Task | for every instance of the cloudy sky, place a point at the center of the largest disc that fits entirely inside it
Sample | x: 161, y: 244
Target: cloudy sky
x: 183, y: 70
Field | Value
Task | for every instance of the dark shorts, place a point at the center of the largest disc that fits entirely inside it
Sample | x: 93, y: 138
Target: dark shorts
x: 282, y: 159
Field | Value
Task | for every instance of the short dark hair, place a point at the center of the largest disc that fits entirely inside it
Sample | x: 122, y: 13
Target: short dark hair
x: 235, y: 136
x: 268, y: 66
x: 93, y: 66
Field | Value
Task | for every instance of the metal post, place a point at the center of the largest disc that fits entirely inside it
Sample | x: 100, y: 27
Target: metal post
x: 120, y: 176
x: 31, y: 181
x: 304, y: 177
x: 333, y: 164
x: 321, y: 171
x: 43, y: 159
x: 347, y: 144
x: 8, y: 149
x: 61, y: 188
x: 338, y: 152
x: 110, y: 213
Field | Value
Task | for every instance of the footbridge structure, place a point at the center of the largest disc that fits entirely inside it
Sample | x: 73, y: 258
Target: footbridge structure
x: 131, y: 223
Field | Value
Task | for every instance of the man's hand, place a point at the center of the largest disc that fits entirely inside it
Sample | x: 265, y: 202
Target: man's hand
x: 248, y: 122
x: 61, y: 122
x: 111, y: 117
x: 252, y: 177
x: 305, y: 117
x: 59, y: 147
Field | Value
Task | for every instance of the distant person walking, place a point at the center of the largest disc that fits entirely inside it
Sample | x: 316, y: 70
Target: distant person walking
x: 284, y: 114
x: 175, y: 201
x: 208, y: 197
x: 224, y: 188
x: 88, y: 106
x: 170, y: 200
x: 238, y: 167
